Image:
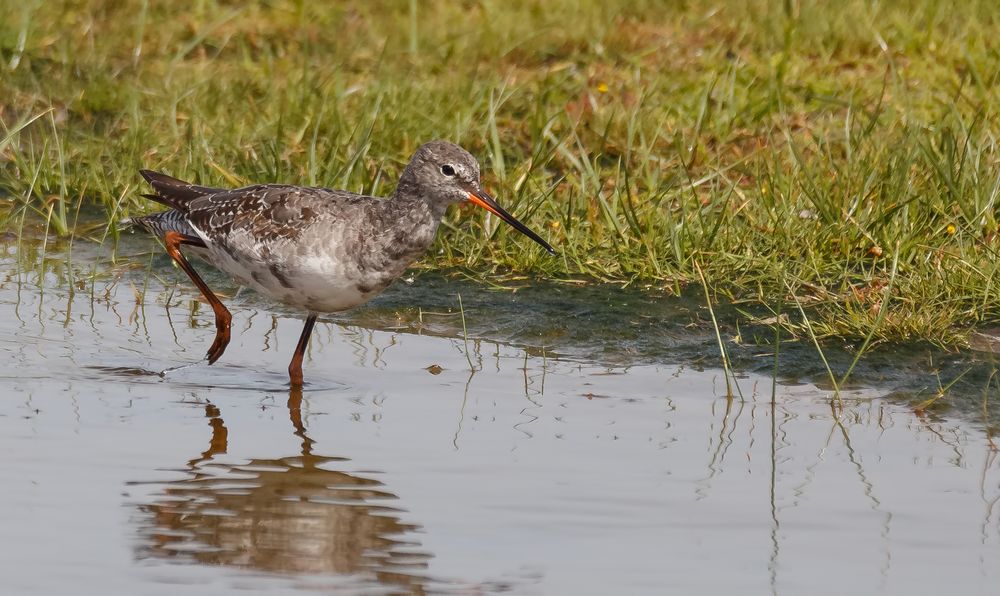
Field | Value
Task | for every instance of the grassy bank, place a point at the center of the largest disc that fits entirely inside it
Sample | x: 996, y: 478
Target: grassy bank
x: 841, y: 157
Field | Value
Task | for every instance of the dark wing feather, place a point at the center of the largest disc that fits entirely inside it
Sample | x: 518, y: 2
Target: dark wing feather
x: 173, y: 192
x: 270, y: 211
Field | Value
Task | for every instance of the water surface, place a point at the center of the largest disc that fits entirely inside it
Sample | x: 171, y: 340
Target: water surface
x: 581, y: 441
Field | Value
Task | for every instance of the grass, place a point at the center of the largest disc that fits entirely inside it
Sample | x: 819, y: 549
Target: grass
x: 799, y: 148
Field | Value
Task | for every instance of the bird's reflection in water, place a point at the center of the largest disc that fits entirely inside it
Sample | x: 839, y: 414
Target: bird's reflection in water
x: 287, y: 515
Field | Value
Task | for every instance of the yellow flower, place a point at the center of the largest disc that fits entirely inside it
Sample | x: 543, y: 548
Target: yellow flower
x: 950, y: 229
x: 602, y: 87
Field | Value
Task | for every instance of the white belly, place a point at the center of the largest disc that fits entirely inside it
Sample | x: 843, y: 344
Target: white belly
x: 318, y: 280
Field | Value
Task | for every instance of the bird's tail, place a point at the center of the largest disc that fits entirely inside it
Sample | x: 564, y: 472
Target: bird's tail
x: 158, y: 224
x: 173, y: 192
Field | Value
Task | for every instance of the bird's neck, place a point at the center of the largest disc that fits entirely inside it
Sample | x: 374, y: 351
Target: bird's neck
x: 413, y: 219
x: 409, y: 196
x: 405, y: 227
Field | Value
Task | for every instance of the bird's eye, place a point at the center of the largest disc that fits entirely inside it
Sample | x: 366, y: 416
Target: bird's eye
x: 447, y: 170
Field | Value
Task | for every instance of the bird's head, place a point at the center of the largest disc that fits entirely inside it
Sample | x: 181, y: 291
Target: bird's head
x: 443, y: 173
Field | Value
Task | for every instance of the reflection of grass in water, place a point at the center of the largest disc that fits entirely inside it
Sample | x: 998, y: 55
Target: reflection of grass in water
x: 639, y: 137
x: 465, y: 335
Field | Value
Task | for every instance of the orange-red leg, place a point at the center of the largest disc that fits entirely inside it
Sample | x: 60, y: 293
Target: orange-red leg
x: 295, y: 367
x: 223, y: 318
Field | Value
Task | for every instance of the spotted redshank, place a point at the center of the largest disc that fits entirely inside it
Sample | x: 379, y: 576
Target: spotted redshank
x: 316, y: 249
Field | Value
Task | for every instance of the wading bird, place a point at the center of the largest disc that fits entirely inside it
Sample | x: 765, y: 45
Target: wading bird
x: 316, y: 249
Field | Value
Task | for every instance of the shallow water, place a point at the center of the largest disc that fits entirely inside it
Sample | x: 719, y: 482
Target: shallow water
x: 582, y: 443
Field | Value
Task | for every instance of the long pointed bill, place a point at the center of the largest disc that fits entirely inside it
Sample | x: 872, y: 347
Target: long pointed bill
x: 486, y: 202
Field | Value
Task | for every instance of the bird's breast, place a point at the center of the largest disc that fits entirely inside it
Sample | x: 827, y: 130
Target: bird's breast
x: 326, y: 268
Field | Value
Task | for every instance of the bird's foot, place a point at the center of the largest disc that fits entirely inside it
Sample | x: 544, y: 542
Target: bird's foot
x: 218, y: 347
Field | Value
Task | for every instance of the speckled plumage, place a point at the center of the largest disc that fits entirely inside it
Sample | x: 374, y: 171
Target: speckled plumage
x: 317, y: 249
